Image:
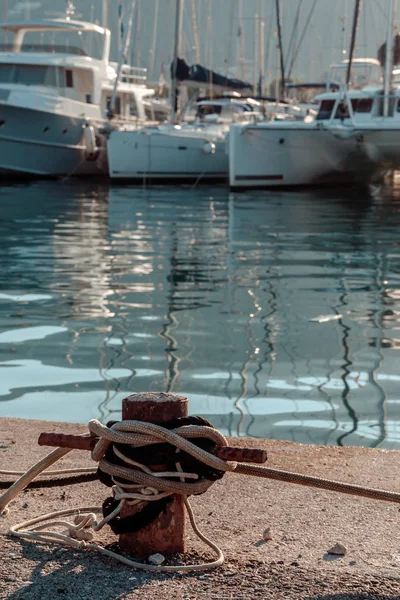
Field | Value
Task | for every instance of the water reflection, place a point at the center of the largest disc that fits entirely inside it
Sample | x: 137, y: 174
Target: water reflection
x: 109, y: 291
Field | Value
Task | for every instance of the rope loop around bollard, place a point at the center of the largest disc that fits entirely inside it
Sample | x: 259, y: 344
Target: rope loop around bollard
x: 135, y: 482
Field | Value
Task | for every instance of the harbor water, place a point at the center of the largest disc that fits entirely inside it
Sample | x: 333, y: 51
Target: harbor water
x: 275, y: 313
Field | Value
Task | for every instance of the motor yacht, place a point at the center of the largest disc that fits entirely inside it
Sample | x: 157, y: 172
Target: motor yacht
x: 56, y: 85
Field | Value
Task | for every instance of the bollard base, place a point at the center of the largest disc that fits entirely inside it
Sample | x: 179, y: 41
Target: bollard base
x: 167, y: 533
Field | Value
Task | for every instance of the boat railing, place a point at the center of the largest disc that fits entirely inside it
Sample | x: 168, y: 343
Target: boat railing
x: 44, y: 48
x: 131, y: 74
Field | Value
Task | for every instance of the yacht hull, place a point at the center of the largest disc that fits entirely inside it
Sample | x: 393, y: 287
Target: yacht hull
x: 303, y: 155
x: 154, y: 155
x: 45, y: 144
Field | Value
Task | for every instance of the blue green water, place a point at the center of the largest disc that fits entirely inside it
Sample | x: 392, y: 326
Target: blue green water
x: 107, y: 291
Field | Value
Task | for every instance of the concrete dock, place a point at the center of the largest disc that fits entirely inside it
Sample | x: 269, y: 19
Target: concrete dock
x: 294, y: 564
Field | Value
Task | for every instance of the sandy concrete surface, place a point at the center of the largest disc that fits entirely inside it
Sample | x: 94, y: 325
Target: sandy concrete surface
x: 305, y: 523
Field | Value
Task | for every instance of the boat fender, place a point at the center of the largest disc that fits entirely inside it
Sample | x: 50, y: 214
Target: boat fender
x: 92, y: 149
x: 209, y: 148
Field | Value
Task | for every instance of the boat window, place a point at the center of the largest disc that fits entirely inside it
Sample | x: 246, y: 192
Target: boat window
x: 69, y: 79
x: 51, y: 76
x: 28, y: 74
x: 362, y: 105
x: 208, y: 109
x: 342, y: 111
x: 325, y: 110
x: 6, y: 72
x: 64, y: 41
x: 34, y: 75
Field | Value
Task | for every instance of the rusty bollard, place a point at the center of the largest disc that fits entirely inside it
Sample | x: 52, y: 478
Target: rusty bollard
x: 167, y: 533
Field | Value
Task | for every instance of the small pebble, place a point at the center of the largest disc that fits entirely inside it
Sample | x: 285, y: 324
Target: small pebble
x: 267, y: 534
x: 156, y: 559
x: 338, y: 549
x: 81, y: 534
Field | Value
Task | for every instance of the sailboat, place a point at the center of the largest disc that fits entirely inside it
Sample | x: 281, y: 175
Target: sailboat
x: 183, y: 151
x: 354, y: 138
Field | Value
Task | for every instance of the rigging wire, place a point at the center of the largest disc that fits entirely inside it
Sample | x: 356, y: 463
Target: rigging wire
x: 353, y: 39
x: 269, y: 37
x: 230, y: 38
x: 294, y: 31
x: 282, y: 60
x: 296, y: 53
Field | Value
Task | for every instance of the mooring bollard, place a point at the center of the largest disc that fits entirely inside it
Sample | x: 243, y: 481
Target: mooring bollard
x: 167, y: 533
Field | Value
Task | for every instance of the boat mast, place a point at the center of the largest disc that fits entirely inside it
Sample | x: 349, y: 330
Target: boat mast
x: 260, y: 90
x: 353, y: 40
x: 280, y: 48
x: 256, y: 52
x: 174, y: 86
x: 210, y: 48
x: 240, y: 59
x: 105, y: 14
x: 121, y: 62
x: 196, y: 45
x: 388, y: 58
x: 153, y: 48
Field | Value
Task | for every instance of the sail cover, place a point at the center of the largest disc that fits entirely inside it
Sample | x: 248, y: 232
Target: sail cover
x: 199, y: 76
x: 396, y: 51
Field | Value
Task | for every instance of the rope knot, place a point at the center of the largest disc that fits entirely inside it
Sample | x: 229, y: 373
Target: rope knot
x: 147, y: 463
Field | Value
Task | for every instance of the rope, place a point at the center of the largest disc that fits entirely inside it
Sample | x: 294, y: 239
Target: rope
x: 140, y: 485
x: 318, y: 482
x: 146, y: 486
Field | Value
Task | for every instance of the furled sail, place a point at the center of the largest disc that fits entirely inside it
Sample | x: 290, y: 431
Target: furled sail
x: 396, y: 51
x: 199, y: 76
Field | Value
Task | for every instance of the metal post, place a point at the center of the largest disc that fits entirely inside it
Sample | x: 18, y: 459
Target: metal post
x: 256, y: 53
x: 167, y: 533
x: 388, y: 58
x: 174, y: 87
x: 105, y: 14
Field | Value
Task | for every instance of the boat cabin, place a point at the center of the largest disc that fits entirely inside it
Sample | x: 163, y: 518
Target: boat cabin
x: 361, y: 106
x: 364, y: 71
x: 68, y: 59
x: 55, y: 36
x: 224, y: 111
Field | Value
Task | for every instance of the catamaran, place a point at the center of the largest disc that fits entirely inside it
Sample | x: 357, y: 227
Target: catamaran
x: 354, y: 138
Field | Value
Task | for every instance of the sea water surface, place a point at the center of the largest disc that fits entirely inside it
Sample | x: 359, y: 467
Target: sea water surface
x: 276, y: 313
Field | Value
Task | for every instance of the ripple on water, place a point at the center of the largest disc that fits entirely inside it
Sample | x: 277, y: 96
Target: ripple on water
x: 106, y: 291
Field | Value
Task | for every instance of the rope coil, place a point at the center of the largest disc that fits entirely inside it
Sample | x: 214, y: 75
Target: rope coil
x: 132, y: 482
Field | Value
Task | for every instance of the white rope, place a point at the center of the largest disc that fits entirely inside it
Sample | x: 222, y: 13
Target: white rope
x: 145, y: 486
x: 87, y: 470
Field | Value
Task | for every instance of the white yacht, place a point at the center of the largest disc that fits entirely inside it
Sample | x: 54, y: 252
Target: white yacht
x: 354, y: 137
x: 349, y: 141
x: 56, y: 85
x: 194, y: 149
